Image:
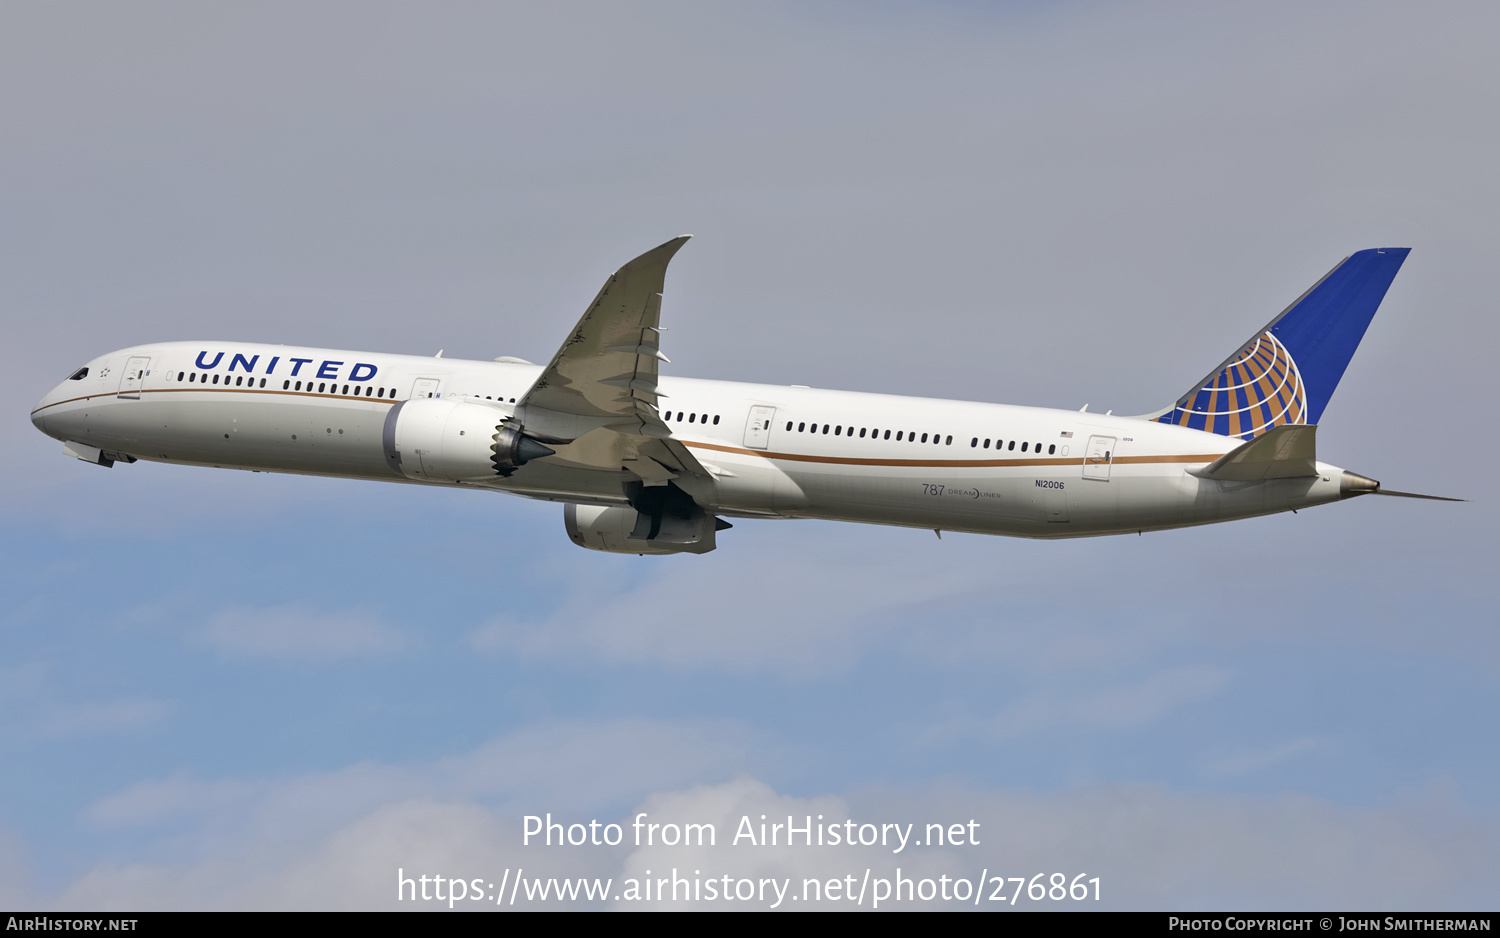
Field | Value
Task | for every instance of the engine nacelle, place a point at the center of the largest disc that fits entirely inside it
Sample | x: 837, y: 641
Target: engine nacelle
x: 436, y: 440
x: 621, y: 530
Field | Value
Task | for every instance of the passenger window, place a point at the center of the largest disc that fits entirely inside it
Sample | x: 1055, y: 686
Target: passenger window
x: 716, y: 420
x: 1012, y: 445
x: 691, y: 417
x: 179, y: 374
x: 986, y: 442
x: 216, y: 379
x: 948, y: 441
x: 924, y: 438
x: 285, y: 385
x: 887, y: 434
x: 322, y: 387
x: 861, y: 433
x: 346, y: 389
x: 838, y: 430
x: 789, y: 426
x: 1051, y: 448
x: 898, y: 435
x: 801, y: 427
x: 825, y: 429
x: 1023, y: 447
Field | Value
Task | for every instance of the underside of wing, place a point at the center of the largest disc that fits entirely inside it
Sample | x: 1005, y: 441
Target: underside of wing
x: 596, y: 402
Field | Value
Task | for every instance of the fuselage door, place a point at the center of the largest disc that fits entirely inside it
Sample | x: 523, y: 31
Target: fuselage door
x: 758, y: 427
x: 426, y: 387
x: 133, y: 377
x: 1100, y: 455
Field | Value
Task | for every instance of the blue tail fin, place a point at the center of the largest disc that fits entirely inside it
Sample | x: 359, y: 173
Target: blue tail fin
x: 1287, y: 371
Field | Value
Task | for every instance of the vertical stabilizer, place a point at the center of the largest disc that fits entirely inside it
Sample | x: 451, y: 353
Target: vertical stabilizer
x: 1286, y: 372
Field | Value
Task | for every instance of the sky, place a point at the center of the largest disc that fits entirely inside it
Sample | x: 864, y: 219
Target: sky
x: 224, y: 690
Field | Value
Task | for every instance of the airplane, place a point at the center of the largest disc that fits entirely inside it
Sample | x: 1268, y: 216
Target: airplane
x: 649, y: 464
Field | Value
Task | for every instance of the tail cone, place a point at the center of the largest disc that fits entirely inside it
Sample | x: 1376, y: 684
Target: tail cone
x: 1352, y: 484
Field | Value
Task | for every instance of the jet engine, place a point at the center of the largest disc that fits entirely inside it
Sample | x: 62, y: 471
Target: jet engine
x: 436, y: 440
x: 619, y: 529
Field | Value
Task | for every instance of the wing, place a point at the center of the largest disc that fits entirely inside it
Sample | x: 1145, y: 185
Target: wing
x: 595, y: 403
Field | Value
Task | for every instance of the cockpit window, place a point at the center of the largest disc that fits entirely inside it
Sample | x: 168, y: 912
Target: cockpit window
x: 79, y: 375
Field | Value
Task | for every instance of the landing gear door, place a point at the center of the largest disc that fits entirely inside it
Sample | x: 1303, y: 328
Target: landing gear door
x: 133, y: 377
x: 758, y: 427
x: 1100, y: 456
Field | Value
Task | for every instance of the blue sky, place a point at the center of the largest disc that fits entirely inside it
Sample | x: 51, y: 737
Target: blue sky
x: 231, y: 690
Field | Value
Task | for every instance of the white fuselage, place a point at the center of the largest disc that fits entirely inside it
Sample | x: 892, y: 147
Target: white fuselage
x: 874, y: 458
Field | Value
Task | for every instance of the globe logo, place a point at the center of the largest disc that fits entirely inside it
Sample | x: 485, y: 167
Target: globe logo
x: 1258, y: 389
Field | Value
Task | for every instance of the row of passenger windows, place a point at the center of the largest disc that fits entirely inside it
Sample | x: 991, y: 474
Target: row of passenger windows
x: 910, y: 436
x: 1000, y: 444
x: 322, y: 387
x: 359, y: 391
x: 239, y: 380
x: 690, y: 418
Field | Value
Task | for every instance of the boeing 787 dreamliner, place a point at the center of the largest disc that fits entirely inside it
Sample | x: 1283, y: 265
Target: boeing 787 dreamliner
x: 649, y: 464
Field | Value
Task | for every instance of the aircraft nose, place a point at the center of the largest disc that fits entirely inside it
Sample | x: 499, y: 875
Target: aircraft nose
x: 39, y: 412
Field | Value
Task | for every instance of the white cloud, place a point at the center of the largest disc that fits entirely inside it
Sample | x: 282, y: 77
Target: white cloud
x: 1092, y: 708
x: 557, y: 767
x: 16, y: 887
x: 1150, y: 849
x: 151, y: 802
x: 110, y: 716
x: 1253, y: 759
x: 35, y: 707
x: 297, y: 634
x: 336, y: 839
x: 758, y: 610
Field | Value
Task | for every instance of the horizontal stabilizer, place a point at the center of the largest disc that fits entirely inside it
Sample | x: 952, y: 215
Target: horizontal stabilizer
x: 1285, y: 452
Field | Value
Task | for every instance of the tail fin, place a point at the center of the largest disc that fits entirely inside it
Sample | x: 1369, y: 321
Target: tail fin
x: 1287, y: 371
